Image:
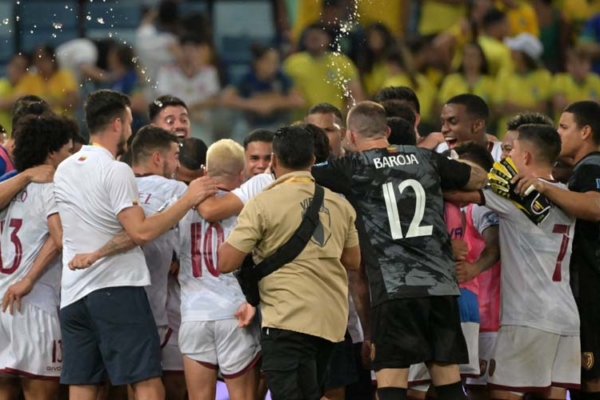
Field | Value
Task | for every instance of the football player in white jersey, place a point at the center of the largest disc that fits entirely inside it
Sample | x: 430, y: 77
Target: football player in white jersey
x: 155, y: 161
x: 538, y: 345
x: 211, y: 336
x: 30, y: 270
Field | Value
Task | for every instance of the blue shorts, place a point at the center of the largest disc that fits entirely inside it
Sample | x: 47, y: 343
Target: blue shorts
x: 468, y: 306
x: 110, y: 334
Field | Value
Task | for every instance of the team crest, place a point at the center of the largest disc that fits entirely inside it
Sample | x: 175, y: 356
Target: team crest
x: 82, y: 159
x: 492, y: 368
x: 482, y: 366
x: 372, y: 351
x: 587, y: 360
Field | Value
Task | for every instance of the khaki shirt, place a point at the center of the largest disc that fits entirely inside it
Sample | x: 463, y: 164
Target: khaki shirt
x: 310, y: 294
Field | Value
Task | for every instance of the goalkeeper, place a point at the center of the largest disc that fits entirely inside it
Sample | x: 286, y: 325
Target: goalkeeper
x: 538, y: 341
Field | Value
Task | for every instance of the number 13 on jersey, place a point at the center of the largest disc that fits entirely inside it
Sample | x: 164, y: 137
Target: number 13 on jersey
x: 391, y: 204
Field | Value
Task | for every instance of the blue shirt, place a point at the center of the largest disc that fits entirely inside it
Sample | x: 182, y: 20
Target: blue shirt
x: 8, y: 175
x: 591, y: 34
x: 250, y: 85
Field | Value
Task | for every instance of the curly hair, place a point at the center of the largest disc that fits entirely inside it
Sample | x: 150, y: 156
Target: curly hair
x: 40, y: 135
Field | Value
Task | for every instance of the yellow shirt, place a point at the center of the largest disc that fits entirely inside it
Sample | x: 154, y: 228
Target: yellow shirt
x: 522, y: 19
x: 6, y: 91
x: 425, y: 91
x: 456, y: 84
x: 577, y: 10
x: 526, y: 91
x: 52, y: 90
x: 437, y: 16
x: 307, y: 12
x: 497, y: 54
x: 565, y: 85
x: 387, y: 12
x: 321, y: 80
x: 374, y: 80
x: 310, y: 294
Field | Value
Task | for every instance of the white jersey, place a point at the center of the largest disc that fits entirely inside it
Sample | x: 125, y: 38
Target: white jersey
x: 91, y: 189
x: 253, y: 186
x: 24, y: 232
x: 535, y: 268
x: 206, y: 294
x: 157, y: 192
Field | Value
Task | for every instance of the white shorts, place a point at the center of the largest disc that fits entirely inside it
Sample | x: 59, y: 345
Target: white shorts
x: 487, y: 345
x: 172, y: 359
x: 221, y: 345
x: 527, y: 359
x: 31, y: 343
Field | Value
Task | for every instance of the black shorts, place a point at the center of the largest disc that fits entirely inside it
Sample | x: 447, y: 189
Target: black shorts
x: 295, y: 364
x: 110, y: 333
x: 588, y: 304
x: 411, y: 331
x: 343, y: 370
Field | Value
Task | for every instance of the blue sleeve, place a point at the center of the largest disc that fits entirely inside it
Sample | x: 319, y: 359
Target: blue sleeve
x: 591, y: 30
x: 2, y: 166
x: 8, y: 175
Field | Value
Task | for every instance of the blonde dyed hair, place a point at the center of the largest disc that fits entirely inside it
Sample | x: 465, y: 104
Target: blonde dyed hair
x: 225, y: 159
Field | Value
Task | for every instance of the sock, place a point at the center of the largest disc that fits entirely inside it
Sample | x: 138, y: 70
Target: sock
x: 391, y: 393
x: 453, y: 391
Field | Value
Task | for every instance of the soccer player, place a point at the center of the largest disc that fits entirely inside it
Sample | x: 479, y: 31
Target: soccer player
x: 107, y: 326
x: 211, y: 337
x: 329, y: 118
x: 30, y: 269
x: 413, y: 274
x: 155, y: 160
x: 257, y: 147
x: 579, y: 129
x: 170, y: 113
x: 513, y: 124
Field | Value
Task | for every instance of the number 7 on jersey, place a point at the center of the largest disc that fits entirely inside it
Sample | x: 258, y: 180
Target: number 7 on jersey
x: 391, y: 204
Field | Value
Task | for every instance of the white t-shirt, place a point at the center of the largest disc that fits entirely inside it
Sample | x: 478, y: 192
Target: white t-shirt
x: 152, y: 48
x: 197, y: 89
x: 24, y: 232
x: 91, y: 188
x: 206, y: 294
x: 253, y: 186
x: 158, y: 192
x: 535, y: 268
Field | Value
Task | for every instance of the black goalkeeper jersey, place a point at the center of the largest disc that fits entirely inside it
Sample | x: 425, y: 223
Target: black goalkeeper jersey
x: 397, y: 193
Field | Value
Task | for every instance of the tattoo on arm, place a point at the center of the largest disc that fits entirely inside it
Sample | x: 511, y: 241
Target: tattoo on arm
x: 118, y: 244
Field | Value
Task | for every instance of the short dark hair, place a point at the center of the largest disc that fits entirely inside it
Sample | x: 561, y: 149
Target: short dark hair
x: 526, y: 118
x: 402, y: 94
x: 321, y: 142
x: 586, y: 113
x: 475, y: 153
x: 545, y: 140
x: 402, y: 133
x: 78, y: 138
x: 394, y: 108
x: 367, y: 119
x: 294, y: 147
x: 192, y: 153
x: 38, y: 136
x: 102, y: 107
x: 475, y: 105
x: 492, y: 17
x: 162, y: 102
x: 258, y: 135
x: 28, y: 105
x: 326, y: 108
x: 149, y: 139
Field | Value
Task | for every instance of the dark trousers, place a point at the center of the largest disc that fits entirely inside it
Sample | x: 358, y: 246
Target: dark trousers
x: 295, y: 364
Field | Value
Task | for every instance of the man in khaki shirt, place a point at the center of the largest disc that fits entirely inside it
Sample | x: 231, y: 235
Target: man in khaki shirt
x: 304, y: 304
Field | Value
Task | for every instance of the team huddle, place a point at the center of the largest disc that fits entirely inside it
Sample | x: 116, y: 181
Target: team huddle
x: 452, y: 264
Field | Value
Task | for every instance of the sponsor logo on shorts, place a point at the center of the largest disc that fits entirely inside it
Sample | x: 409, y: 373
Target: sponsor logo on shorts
x: 482, y: 366
x: 492, y: 368
x: 587, y: 360
x: 372, y: 351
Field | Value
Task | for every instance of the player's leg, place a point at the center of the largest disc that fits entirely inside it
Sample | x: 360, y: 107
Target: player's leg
x: 9, y: 388
x: 200, y: 363
x: 478, y: 389
x: 201, y: 380
x: 39, y: 389
x: 172, y: 362
x: 565, y: 371
x: 343, y: 370
x: 128, y: 339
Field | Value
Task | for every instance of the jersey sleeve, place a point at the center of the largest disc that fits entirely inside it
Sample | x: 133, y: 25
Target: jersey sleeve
x: 352, y: 237
x: 498, y: 204
x: 49, y: 200
x: 484, y: 218
x: 249, y: 229
x: 454, y: 175
x: 179, y: 189
x: 586, y: 179
x: 335, y: 175
x: 121, y: 187
x: 252, y: 187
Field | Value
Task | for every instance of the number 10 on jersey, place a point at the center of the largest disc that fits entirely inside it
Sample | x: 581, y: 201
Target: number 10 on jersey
x: 391, y: 204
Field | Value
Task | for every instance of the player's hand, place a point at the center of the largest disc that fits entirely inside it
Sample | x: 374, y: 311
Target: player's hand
x: 201, y: 188
x: 460, y: 249
x: 245, y: 314
x: 41, y: 173
x: 466, y: 271
x: 526, y: 183
x: 15, y: 293
x: 83, y: 261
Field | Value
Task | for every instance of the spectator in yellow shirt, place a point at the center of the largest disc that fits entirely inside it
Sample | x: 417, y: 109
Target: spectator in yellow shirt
x: 322, y: 76
x: 579, y: 83
x: 439, y: 15
x: 529, y: 87
x: 372, y: 63
x: 11, y: 88
x: 57, y: 86
x: 472, y: 77
x: 495, y: 29
x: 521, y: 17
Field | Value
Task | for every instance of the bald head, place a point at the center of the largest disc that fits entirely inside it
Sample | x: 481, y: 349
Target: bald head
x: 367, y: 119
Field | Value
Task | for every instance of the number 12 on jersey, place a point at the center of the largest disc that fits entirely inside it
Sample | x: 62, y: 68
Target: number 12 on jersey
x: 391, y: 204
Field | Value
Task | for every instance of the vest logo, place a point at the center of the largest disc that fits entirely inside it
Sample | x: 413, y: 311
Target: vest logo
x: 587, y: 360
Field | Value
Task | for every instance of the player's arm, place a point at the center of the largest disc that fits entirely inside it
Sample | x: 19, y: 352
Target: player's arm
x: 463, y: 198
x: 488, y: 257
x: 118, y: 244
x: 460, y: 175
x: 12, y: 186
x: 351, y: 258
x: 229, y: 258
x: 335, y: 175
x: 215, y: 209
